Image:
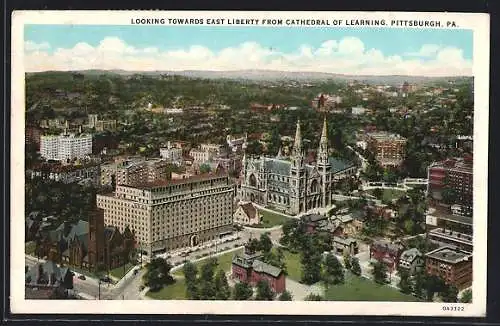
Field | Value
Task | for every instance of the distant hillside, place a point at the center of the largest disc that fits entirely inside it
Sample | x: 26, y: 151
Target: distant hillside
x: 269, y: 75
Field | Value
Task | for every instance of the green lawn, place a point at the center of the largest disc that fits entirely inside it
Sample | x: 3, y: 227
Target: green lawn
x: 176, y: 291
x: 224, y: 262
x: 358, y: 288
x: 29, y: 247
x: 389, y: 194
x: 293, y: 265
x: 270, y: 219
x: 120, y: 272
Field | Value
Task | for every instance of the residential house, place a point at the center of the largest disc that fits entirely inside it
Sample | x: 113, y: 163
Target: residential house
x: 247, y: 214
x: 48, y: 281
x: 387, y: 253
x: 249, y: 268
x: 411, y: 260
x: 345, y: 245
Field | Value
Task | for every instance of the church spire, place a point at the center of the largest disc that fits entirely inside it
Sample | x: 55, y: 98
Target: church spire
x: 297, y: 146
x: 323, y: 145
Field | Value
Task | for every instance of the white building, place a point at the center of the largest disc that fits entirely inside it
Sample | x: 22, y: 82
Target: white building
x: 358, y: 110
x: 411, y: 260
x: 63, y: 147
x: 171, y: 153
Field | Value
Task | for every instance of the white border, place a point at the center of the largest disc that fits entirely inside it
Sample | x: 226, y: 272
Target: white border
x: 479, y: 23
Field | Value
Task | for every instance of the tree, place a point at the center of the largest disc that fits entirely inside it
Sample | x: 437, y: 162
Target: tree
x: 158, y: 274
x: 466, y: 296
x: 242, y: 291
x: 264, y: 291
x: 449, y: 293
x: 356, y: 268
x: 333, y: 272
x: 377, y: 192
x: 379, y: 272
x: 313, y: 297
x: 223, y: 291
x: 265, y: 243
x: 207, y: 288
x: 404, y: 282
x: 285, y: 296
x: 253, y: 245
x: 311, y: 267
x: 347, y: 261
x: 205, y: 168
x: 432, y: 285
x: 190, y: 275
x: 418, y: 284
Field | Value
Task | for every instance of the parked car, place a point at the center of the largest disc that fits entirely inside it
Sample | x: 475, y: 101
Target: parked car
x: 82, y: 277
x: 106, y: 279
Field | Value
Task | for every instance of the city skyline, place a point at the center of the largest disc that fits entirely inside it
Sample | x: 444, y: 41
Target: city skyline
x: 354, y: 51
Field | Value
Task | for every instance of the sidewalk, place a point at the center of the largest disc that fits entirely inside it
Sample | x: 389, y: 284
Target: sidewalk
x: 175, y: 268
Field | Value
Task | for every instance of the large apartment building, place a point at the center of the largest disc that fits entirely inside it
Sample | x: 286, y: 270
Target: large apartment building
x: 172, y: 214
x: 389, y: 149
x: 134, y: 171
x: 65, y: 146
x: 456, y: 174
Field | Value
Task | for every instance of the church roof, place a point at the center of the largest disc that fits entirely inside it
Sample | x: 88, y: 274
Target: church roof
x: 276, y: 166
x: 338, y: 165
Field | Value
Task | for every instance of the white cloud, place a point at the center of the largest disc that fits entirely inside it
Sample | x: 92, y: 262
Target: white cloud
x: 33, y: 46
x: 345, y: 56
x: 426, y: 50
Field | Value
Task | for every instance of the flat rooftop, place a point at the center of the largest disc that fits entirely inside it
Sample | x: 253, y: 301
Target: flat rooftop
x: 449, y: 255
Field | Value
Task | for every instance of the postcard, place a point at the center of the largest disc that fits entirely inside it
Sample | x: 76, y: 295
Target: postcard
x: 310, y: 163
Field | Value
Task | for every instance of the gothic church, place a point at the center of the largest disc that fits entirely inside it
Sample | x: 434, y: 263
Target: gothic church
x: 291, y: 185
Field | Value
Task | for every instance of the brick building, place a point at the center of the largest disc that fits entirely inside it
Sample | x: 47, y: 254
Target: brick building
x: 86, y: 245
x: 250, y: 269
x: 454, y: 174
x: 389, y: 149
x: 454, y: 266
x: 387, y: 253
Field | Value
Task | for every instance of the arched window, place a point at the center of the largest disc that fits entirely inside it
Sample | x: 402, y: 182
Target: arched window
x: 314, y: 186
x: 253, y: 180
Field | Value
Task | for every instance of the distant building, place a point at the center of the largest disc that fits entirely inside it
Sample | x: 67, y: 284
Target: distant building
x: 358, y: 110
x: 171, y: 153
x: 248, y: 268
x: 65, y: 147
x: 387, y: 253
x: 247, y: 214
x: 389, y: 149
x: 32, y: 136
x: 171, y: 214
x: 452, y: 265
x: 67, y: 173
x: 133, y: 171
x: 456, y: 176
x: 411, y: 260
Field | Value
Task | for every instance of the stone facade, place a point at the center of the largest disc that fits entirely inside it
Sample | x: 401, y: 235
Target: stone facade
x: 291, y: 185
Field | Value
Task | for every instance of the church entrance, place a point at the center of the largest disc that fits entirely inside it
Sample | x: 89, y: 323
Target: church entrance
x: 194, y: 240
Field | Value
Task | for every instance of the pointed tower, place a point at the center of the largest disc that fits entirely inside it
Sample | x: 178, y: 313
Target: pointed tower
x: 297, y: 175
x: 324, y: 167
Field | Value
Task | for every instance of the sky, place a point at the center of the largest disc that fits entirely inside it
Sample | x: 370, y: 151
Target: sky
x: 373, y: 51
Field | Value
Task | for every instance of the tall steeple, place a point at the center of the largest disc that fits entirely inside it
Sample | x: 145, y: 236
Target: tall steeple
x: 323, y: 145
x: 297, y: 145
